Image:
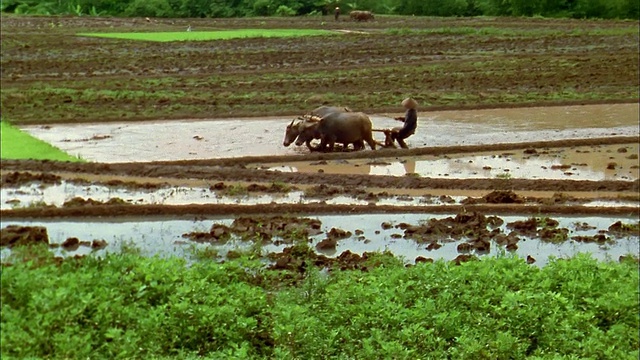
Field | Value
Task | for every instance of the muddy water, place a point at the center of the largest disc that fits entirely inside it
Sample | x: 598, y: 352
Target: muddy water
x: 162, y: 236
x: 205, y: 139
x: 57, y: 195
x: 602, y: 162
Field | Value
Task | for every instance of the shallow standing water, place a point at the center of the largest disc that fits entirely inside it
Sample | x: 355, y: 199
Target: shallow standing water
x: 163, y: 236
x: 575, y: 163
x: 205, y: 139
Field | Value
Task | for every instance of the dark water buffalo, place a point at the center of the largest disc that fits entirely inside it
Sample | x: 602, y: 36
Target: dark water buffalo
x: 346, y: 128
x: 304, y: 129
x: 359, y: 15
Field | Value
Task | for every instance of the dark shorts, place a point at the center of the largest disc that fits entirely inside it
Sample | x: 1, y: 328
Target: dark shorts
x: 405, y: 133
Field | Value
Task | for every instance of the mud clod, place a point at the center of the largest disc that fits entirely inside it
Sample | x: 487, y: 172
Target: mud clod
x: 14, y: 235
x: 422, y: 259
x: 386, y: 225
x: 295, y: 258
x: 462, y: 258
x: 527, y: 227
x: 17, y: 178
x: 79, y: 202
x: 286, y: 229
x: 503, y: 197
x: 327, y: 244
x: 598, y: 238
x: 98, y: 244
x: 337, y: 234
x: 71, y: 244
x: 217, y: 186
x: 620, y: 229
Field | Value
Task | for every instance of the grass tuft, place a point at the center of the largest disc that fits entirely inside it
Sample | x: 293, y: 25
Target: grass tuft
x: 17, y: 145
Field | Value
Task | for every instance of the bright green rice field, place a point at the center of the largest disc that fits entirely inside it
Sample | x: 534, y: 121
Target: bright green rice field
x: 209, y: 35
x: 17, y: 144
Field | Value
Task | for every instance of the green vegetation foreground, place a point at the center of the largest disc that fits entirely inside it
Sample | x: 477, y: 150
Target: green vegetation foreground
x: 128, y: 306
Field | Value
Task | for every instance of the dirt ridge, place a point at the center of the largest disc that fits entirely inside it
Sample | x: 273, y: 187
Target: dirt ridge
x: 301, y: 209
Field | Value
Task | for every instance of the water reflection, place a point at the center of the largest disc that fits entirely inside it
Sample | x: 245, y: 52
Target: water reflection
x: 178, y: 140
x: 163, y: 236
x: 579, y: 163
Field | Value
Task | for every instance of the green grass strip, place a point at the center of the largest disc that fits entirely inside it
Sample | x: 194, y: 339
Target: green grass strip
x: 16, y: 144
x: 210, y: 35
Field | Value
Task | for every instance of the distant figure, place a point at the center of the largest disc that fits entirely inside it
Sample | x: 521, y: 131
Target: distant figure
x: 337, y: 13
x: 189, y: 28
x: 410, y: 120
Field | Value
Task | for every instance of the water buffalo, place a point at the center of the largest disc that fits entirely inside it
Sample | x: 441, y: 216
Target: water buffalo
x: 345, y: 128
x: 359, y: 15
x: 304, y: 129
x: 310, y: 129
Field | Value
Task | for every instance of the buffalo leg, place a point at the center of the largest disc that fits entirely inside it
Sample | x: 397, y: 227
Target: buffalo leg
x: 371, y: 142
x: 313, y: 148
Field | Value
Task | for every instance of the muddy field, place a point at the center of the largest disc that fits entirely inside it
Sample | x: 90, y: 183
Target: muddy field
x: 51, y: 75
x: 482, y: 175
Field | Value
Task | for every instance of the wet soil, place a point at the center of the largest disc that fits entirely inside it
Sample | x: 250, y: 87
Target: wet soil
x: 48, y: 69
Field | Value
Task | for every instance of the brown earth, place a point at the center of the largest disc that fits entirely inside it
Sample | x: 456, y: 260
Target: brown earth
x: 443, y: 63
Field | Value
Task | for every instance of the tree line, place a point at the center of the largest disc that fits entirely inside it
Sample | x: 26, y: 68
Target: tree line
x: 606, y: 9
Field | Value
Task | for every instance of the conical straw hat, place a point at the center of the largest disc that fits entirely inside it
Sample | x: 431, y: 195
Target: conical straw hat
x: 409, y: 103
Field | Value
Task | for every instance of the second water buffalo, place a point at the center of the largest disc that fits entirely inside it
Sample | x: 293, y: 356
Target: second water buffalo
x: 346, y: 128
x: 305, y: 129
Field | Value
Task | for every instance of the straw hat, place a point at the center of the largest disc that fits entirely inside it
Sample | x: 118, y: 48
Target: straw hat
x: 409, y: 103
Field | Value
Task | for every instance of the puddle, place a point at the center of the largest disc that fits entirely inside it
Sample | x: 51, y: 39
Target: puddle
x: 57, y: 195
x: 206, y: 139
x: 36, y: 194
x: 163, y: 237
x: 602, y: 162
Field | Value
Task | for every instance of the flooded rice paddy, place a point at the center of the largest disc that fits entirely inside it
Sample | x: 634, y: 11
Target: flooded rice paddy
x: 72, y: 194
x: 366, y: 233
x: 206, y: 139
x: 600, y: 162
x: 612, y: 164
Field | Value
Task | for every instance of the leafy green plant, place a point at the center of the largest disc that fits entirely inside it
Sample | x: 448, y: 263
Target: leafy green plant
x: 280, y: 187
x: 129, y: 306
x: 236, y: 190
x: 204, y: 253
x: 504, y: 176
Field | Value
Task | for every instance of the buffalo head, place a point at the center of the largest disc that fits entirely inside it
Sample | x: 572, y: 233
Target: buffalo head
x: 292, y: 132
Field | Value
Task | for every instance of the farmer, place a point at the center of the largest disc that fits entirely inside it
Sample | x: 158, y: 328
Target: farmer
x: 410, y: 120
x: 337, y: 13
